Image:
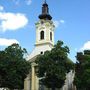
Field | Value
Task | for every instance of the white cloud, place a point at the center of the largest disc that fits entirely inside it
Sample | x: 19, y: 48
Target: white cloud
x: 12, y: 21
x: 58, y: 22
x: 7, y: 42
x: 62, y: 21
x: 86, y: 46
x: 1, y: 8
x: 28, y: 2
x: 16, y: 1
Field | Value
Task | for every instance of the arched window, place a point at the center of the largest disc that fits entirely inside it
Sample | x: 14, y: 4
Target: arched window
x: 51, y: 36
x: 41, y: 35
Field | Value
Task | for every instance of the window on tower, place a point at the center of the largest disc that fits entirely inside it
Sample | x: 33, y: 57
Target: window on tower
x: 51, y: 36
x: 41, y: 52
x: 41, y: 35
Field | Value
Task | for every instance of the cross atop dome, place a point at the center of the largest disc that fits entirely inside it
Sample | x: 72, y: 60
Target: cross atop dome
x: 45, y: 12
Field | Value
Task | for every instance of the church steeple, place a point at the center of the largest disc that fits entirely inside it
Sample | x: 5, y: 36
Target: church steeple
x: 45, y: 12
x: 45, y: 29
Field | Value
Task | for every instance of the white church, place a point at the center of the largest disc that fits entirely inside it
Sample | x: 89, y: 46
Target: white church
x: 44, y: 41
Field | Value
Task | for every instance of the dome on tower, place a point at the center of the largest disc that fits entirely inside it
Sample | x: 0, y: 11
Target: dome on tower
x: 45, y: 12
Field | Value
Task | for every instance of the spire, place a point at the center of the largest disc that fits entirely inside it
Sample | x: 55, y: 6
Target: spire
x: 45, y: 12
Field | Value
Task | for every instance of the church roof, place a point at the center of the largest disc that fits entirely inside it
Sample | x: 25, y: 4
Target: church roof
x: 45, y: 12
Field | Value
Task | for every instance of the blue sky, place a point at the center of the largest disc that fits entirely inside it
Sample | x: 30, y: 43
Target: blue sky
x: 71, y: 17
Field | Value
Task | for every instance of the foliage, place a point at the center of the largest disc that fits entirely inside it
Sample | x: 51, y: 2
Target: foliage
x: 82, y: 68
x: 13, y: 67
x: 53, y: 66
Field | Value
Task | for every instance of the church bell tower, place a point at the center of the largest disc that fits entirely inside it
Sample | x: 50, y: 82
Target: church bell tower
x: 44, y: 32
x: 45, y: 29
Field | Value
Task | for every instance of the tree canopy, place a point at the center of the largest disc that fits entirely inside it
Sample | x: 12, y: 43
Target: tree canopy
x: 53, y: 66
x: 13, y: 67
x: 82, y: 69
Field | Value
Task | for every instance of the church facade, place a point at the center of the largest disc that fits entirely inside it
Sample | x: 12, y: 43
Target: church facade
x: 44, y: 41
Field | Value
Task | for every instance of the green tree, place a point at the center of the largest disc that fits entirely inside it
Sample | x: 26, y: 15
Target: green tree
x: 53, y: 65
x: 82, y: 69
x: 13, y: 67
